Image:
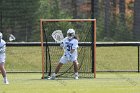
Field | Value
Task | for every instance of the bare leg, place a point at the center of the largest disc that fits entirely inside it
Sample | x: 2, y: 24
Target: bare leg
x: 75, y: 70
x: 75, y: 67
x: 56, y: 71
x: 2, y: 69
x: 58, y: 67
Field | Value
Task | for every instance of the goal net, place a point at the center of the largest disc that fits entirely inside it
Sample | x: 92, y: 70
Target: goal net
x: 51, y: 52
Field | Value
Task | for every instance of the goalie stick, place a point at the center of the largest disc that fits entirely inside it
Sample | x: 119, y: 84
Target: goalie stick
x: 12, y: 38
x: 58, y: 36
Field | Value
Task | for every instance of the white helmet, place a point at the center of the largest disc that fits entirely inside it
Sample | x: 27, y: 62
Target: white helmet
x: 1, y: 35
x: 70, y: 33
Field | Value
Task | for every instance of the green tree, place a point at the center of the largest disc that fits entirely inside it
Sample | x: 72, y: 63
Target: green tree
x: 136, y: 32
x: 74, y: 8
x: 122, y: 32
x: 107, y: 20
x: 19, y: 18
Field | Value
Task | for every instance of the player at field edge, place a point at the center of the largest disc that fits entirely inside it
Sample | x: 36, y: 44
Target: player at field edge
x: 70, y: 46
x: 2, y: 59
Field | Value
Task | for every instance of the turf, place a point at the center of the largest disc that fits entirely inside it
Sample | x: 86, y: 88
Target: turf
x: 107, y: 58
x: 104, y: 83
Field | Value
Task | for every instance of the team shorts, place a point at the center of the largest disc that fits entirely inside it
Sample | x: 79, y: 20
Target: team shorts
x: 64, y: 59
x: 2, y: 57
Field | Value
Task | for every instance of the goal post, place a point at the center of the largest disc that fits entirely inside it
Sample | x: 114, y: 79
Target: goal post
x: 86, y: 32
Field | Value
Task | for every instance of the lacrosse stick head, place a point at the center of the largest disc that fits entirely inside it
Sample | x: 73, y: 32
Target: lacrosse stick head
x: 58, y: 36
x: 11, y: 37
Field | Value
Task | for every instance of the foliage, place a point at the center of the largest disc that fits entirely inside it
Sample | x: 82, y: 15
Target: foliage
x: 119, y: 25
x: 21, y: 18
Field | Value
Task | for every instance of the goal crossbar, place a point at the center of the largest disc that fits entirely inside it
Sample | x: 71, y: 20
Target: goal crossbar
x: 67, y: 20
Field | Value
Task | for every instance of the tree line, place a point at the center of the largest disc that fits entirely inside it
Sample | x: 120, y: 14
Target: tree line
x: 117, y: 20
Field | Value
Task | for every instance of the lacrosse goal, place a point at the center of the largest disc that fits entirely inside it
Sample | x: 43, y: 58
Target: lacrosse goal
x: 51, y: 52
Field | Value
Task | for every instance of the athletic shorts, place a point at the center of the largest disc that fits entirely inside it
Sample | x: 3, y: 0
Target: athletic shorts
x: 2, y: 57
x: 64, y: 59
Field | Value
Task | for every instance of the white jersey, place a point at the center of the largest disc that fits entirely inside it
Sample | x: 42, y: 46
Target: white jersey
x: 68, y: 45
x: 2, y: 51
x: 2, y: 46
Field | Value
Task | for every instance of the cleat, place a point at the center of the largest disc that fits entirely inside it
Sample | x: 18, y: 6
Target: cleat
x: 76, y: 77
x: 6, y: 81
x: 52, y: 77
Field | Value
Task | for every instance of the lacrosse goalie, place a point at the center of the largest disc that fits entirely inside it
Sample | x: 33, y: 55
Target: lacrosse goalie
x: 2, y: 59
x: 70, y: 45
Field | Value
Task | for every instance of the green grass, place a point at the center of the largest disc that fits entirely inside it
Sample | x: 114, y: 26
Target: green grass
x: 117, y: 58
x: 104, y: 83
x: 107, y: 58
x: 23, y: 59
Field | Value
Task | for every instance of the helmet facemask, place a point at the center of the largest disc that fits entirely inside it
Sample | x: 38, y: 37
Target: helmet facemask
x: 70, y: 33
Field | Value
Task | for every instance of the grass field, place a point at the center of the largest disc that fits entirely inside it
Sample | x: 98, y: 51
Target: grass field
x: 104, y: 83
x: 108, y: 58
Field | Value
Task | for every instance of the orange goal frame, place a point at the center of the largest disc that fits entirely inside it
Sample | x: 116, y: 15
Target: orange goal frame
x: 69, y: 20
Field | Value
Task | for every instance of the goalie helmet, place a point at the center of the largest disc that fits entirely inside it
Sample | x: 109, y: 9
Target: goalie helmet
x: 70, y: 33
x: 1, y: 35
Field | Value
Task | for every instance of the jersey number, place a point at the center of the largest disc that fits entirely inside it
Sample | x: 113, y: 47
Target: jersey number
x: 69, y: 47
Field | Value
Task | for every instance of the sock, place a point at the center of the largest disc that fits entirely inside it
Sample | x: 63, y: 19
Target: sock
x: 76, y: 74
x: 5, y: 78
x: 54, y: 74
